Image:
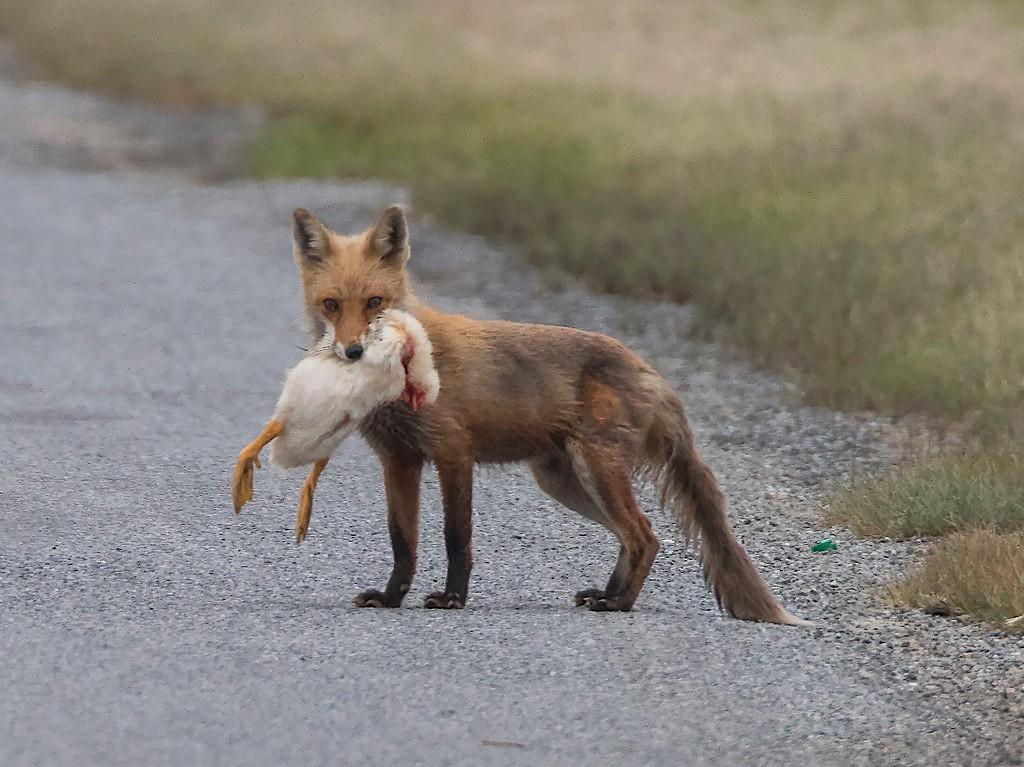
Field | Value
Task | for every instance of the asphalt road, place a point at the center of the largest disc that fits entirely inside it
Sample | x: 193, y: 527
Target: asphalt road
x: 146, y: 323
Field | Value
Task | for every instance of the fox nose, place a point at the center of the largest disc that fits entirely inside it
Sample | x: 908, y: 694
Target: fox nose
x: 354, y: 351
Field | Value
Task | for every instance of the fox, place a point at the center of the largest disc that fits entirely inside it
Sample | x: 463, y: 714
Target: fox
x: 585, y: 413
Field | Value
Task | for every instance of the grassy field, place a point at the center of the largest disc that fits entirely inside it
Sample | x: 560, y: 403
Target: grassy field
x: 837, y: 184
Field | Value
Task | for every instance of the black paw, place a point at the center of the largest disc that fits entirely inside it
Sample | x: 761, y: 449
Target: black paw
x: 374, y: 598
x: 595, y: 599
x: 441, y: 600
x: 584, y: 597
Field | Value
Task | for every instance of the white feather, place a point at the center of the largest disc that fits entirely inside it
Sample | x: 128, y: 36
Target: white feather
x: 325, y: 396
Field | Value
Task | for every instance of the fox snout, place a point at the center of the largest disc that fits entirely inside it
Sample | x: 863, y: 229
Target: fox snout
x: 352, y: 349
x: 350, y: 352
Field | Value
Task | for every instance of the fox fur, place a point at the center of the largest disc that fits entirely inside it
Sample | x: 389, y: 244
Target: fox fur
x: 585, y: 413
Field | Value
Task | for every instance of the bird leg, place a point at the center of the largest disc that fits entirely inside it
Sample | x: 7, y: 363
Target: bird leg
x: 306, y: 501
x: 248, y: 459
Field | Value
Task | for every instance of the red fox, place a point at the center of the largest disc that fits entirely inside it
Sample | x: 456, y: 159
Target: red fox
x: 584, y: 412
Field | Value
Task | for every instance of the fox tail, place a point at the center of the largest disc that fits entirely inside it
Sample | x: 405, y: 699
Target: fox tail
x: 687, y: 487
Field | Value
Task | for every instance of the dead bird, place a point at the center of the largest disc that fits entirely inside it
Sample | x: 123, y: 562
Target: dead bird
x: 330, y: 391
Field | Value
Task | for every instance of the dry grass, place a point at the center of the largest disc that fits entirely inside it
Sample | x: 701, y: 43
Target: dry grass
x: 979, y: 573
x: 668, y: 52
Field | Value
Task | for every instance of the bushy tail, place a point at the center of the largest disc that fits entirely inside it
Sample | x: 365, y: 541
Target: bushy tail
x: 689, y: 489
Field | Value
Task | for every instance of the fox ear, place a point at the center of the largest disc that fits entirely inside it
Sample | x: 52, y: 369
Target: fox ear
x: 310, y: 237
x: 388, y: 241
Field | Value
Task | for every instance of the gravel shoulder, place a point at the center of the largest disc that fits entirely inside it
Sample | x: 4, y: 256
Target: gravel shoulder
x: 148, y: 317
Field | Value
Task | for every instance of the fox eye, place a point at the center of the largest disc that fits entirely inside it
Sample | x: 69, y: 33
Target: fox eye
x: 374, y: 302
x: 330, y: 305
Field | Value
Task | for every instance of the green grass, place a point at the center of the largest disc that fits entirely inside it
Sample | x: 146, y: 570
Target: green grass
x: 979, y: 573
x: 938, y: 497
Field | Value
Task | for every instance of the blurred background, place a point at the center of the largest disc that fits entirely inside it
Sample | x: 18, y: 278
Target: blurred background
x: 836, y: 185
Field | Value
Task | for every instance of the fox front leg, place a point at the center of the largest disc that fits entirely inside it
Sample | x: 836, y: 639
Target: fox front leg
x: 248, y: 460
x: 306, y: 501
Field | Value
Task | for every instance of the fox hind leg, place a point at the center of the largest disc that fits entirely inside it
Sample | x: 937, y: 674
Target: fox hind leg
x: 556, y: 477
x: 595, y: 483
x: 606, y: 476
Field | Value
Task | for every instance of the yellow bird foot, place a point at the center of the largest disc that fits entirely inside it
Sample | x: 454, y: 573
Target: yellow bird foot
x: 248, y: 461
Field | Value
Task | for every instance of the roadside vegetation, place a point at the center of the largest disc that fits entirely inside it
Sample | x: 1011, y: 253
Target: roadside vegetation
x: 979, y: 573
x: 976, y: 502
x: 952, y: 494
x: 837, y: 185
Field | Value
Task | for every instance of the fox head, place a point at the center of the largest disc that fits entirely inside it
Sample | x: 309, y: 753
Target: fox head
x: 348, y: 280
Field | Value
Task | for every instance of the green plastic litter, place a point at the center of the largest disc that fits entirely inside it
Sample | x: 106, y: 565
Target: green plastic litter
x: 826, y: 545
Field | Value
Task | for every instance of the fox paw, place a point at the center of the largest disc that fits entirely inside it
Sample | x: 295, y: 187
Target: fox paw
x: 441, y: 600
x: 596, y: 600
x: 583, y: 597
x: 374, y: 598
